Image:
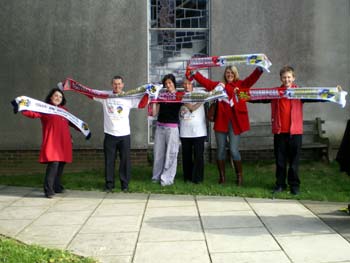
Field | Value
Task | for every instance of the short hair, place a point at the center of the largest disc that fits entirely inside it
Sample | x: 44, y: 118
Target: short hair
x: 235, y: 72
x: 117, y: 77
x: 48, y: 97
x: 287, y: 69
x: 171, y: 77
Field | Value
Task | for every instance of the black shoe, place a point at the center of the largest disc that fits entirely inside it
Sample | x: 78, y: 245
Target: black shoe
x: 294, y: 191
x: 108, y: 190
x: 48, y: 196
x: 278, y: 189
x: 125, y: 190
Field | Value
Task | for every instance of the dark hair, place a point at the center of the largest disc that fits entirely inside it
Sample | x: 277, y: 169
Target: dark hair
x: 117, y: 77
x: 287, y: 69
x: 171, y: 77
x: 48, y: 97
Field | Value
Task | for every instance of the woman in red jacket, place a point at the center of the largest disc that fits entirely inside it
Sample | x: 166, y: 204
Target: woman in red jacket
x: 56, y: 147
x: 230, y: 120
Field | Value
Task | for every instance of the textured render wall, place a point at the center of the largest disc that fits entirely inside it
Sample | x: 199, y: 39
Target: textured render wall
x: 43, y: 42
x: 310, y: 35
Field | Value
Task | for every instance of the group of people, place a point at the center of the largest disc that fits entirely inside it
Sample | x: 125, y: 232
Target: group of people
x: 185, y: 122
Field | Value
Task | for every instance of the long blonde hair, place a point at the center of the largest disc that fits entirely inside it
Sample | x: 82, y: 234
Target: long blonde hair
x: 235, y: 72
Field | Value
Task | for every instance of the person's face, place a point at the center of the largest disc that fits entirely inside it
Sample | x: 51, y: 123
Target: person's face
x: 187, y: 85
x: 56, y: 98
x: 117, y: 85
x: 169, y: 85
x: 229, y: 75
x: 287, y: 79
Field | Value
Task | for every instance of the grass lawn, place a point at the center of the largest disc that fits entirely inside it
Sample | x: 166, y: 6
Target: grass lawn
x: 319, y: 181
x: 12, y: 251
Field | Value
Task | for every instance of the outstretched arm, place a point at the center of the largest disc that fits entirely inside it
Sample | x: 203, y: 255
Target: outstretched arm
x: 252, y: 78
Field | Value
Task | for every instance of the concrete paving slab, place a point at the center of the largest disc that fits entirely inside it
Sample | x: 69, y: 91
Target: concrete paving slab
x: 126, y: 227
x: 66, y: 205
x: 34, y: 201
x: 106, y: 244
x: 173, y: 213
x: 75, y: 194
x: 221, y: 203
x: 284, y: 217
x: 43, y: 235
x: 62, y: 218
x: 230, y: 219
x: 251, y: 257
x: 161, y: 200
x: 172, y: 252
x: 240, y: 240
x: 316, y: 248
x: 113, y: 259
x: 20, y: 212
x: 271, y: 207
x: 11, y: 227
x: 125, y: 198
x: 126, y: 209
x: 330, y: 214
x: 171, y: 231
x: 5, y: 204
x: 112, y: 224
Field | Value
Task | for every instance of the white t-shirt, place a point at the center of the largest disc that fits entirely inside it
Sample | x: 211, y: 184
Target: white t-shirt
x: 116, y: 115
x: 192, y: 124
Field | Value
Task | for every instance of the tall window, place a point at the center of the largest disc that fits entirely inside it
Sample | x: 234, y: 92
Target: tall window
x: 178, y: 30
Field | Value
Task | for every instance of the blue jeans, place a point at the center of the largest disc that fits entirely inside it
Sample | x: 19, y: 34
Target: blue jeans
x: 233, y: 144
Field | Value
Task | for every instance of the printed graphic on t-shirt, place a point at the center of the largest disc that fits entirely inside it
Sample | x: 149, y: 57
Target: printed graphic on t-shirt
x: 185, y: 113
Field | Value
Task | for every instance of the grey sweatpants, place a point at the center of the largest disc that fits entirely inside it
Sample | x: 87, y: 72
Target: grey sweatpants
x: 166, y: 148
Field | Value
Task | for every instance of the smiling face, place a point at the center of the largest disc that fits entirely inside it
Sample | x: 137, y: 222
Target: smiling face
x: 188, y: 87
x: 117, y: 85
x: 287, y: 79
x: 56, y: 98
x: 169, y: 85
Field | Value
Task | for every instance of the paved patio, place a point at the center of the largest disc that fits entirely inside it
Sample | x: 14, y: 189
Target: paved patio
x: 141, y: 228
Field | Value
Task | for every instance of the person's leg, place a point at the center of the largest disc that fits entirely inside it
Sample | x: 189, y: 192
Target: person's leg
x: 51, y: 173
x: 125, y: 164
x: 159, y: 149
x: 221, y: 154
x: 109, y: 148
x: 58, y: 187
x: 235, y: 155
x: 280, y: 151
x: 187, y: 164
x: 294, y: 152
x: 198, y: 163
x: 172, y: 149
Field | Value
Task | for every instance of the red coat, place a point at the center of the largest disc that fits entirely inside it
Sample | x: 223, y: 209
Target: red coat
x: 296, y: 118
x: 236, y: 115
x: 56, y: 143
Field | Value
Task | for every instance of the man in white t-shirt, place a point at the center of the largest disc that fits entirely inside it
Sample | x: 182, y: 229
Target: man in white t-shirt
x: 117, y: 135
x: 193, y: 132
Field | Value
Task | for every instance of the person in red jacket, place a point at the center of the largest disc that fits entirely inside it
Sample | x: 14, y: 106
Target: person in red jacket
x: 231, y: 120
x: 56, y: 147
x: 287, y: 127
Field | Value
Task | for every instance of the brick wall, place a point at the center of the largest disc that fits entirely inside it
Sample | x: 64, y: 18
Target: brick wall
x: 26, y: 161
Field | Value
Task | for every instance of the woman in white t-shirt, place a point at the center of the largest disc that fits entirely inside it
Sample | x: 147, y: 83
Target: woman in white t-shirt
x: 193, y: 132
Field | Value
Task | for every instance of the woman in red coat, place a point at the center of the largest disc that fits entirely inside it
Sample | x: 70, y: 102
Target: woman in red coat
x: 230, y: 120
x: 56, y: 147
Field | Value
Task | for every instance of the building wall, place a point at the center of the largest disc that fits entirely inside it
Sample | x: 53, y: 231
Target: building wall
x: 311, y: 35
x: 43, y: 42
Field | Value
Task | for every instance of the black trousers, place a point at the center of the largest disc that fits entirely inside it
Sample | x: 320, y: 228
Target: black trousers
x: 192, y: 159
x: 52, y: 181
x: 111, y: 145
x: 287, y: 149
